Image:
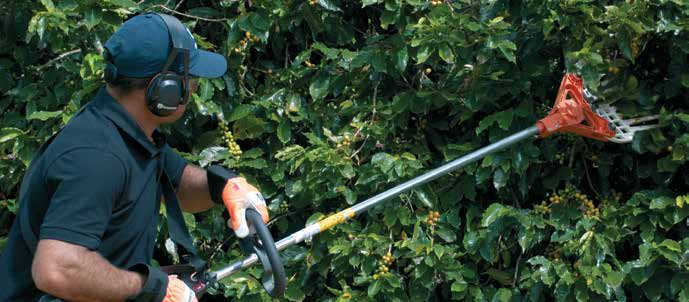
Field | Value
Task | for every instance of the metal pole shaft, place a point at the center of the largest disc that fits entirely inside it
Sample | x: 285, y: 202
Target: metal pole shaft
x: 361, y: 207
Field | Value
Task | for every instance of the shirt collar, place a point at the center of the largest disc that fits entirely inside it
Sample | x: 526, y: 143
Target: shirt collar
x: 114, y: 111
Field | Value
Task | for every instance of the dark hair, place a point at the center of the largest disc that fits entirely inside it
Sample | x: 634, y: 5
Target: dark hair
x: 125, y: 85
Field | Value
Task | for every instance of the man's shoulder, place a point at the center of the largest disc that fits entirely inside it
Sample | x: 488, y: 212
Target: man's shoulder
x: 87, y: 131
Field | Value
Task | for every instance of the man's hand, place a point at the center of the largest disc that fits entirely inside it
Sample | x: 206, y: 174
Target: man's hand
x: 178, y: 291
x: 237, y: 195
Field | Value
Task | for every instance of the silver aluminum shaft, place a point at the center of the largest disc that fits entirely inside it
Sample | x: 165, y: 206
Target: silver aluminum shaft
x: 361, y: 207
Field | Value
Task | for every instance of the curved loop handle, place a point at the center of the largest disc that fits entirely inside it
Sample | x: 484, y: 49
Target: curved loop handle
x: 262, y: 244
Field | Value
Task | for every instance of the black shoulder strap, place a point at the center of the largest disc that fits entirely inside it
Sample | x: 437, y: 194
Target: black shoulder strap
x: 177, y: 228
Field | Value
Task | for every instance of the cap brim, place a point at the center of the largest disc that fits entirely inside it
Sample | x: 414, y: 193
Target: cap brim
x: 208, y: 64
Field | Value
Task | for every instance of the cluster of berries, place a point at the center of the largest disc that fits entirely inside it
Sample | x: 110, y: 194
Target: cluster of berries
x: 383, y: 267
x: 636, y: 46
x: 433, y: 217
x: 248, y: 37
x: 614, y: 69
x: 345, y: 142
x: 587, y: 205
x: 553, y: 252
x: 313, y: 2
x: 229, y: 140
x: 309, y: 64
x: 542, y: 209
x: 436, y: 2
x: 558, y: 197
x: 284, y: 207
x: 560, y: 158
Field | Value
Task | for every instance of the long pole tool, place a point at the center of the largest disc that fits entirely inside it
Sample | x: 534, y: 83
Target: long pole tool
x: 572, y: 113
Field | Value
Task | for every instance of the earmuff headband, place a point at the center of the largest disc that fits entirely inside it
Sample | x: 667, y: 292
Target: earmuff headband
x: 176, y: 30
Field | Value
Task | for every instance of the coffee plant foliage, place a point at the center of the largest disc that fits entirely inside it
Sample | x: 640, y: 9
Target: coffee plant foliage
x: 329, y: 102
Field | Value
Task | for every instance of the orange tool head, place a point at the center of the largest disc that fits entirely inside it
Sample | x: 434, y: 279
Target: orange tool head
x: 572, y: 113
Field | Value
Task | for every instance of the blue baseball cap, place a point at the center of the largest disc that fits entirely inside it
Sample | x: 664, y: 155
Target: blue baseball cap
x: 140, y: 48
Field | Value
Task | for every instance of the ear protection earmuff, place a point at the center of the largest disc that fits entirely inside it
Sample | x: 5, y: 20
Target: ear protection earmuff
x: 168, y: 90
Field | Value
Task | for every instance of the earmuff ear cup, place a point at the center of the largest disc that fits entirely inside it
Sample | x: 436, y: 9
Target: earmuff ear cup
x: 110, y: 73
x: 165, y: 93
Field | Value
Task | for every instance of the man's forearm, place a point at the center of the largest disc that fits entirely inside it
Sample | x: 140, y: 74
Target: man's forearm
x: 81, y: 275
x: 193, y: 190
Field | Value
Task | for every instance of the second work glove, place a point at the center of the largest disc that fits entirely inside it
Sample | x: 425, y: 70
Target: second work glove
x: 237, y: 195
x: 159, y: 287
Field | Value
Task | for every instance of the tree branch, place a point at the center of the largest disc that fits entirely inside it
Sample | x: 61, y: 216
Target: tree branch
x: 58, y: 58
x: 187, y: 15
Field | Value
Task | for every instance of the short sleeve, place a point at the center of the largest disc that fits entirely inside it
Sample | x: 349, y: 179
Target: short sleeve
x: 174, y: 165
x: 88, y: 182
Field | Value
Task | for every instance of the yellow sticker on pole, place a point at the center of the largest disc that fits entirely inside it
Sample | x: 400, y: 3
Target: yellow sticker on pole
x: 335, y: 219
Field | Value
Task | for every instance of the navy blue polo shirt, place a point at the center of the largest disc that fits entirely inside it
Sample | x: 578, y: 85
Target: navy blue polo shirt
x: 96, y: 184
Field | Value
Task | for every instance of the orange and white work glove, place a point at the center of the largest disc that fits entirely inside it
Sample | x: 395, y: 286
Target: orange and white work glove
x: 178, y: 291
x: 237, y: 195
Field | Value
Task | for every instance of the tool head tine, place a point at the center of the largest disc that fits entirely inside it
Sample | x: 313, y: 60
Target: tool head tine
x: 643, y: 119
x: 624, y: 129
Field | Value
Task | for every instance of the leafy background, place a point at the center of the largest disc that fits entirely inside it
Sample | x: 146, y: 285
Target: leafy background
x: 333, y: 101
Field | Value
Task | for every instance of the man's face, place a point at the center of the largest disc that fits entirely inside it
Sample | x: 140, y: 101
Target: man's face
x: 193, y: 87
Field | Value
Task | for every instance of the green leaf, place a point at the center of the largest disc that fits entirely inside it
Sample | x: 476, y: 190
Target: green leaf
x: 426, y: 196
x: 661, y: 202
x: 49, y: 5
x: 445, y: 53
x: 502, y: 295
x: 459, y: 286
x: 319, y: 87
x: 212, y: 154
x: 494, y: 212
x: 501, y: 276
x: 240, y: 112
x: 499, y: 179
x: 9, y: 133
x: 685, y: 80
x: 423, y: 54
x: 284, y: 132
x: 44, y: 115
x: 206, y: 89
x: 671, y: 245
x: 122, y: 3
x: 507, y: 49
x: 329, y: 5
x: 289, y: 152
x: 401, y: 58
x: 366, y: 3
x: 384, y: 161
x: 190, y: 221
x: 248, y: 127
x: 374, y: 288
x: 293, y: 293
x: 92, y: 18
x: 447, y: 234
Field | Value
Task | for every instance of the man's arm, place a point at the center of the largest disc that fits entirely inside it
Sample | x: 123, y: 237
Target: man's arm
x: 193, y: 190
x: 74, y: 273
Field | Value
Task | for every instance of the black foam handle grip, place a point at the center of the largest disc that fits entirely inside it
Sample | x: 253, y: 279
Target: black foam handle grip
x: 261, y: 243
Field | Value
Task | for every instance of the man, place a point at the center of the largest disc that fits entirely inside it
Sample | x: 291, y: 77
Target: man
x: 92, y: 194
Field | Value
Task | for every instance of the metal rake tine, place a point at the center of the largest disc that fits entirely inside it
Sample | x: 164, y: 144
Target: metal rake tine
x: 642, y: 119
x: 643, y: 127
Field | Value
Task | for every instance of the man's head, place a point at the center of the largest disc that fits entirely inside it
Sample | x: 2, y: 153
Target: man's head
x: 154, y: 59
